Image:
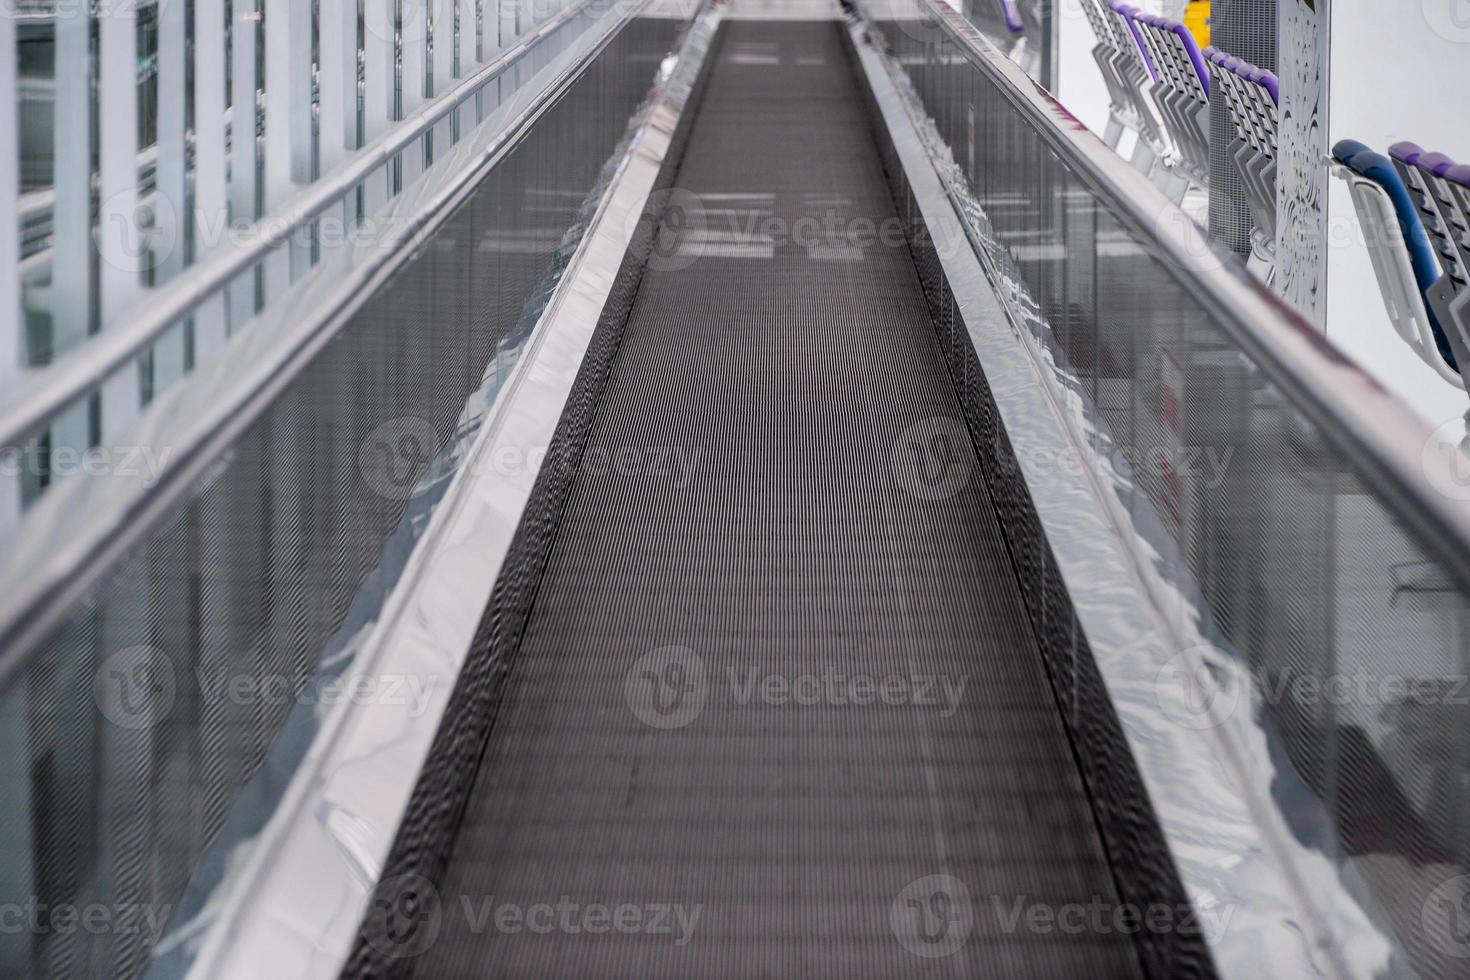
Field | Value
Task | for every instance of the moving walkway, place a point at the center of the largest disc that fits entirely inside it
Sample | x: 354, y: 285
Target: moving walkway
x: 815, y: 515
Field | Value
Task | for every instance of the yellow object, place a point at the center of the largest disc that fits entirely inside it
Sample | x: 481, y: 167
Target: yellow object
x: 1197, y: 19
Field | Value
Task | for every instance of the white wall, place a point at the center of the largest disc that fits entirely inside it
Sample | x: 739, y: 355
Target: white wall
x: 1079, y: 84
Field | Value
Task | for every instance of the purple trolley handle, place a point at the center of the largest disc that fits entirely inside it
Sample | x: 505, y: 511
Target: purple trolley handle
x: 1012, y: 16
x: 1130, y: 15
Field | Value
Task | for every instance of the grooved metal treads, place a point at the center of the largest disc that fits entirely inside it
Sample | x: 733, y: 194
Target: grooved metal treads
x: 776, y: 499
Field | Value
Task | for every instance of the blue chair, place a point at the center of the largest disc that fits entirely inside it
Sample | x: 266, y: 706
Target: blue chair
x: 1401, y: 248
x: 1444, y: 210
x: 1457, y: 179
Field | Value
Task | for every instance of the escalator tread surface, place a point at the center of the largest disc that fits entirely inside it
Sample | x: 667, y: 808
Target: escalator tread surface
x: 778, y: 709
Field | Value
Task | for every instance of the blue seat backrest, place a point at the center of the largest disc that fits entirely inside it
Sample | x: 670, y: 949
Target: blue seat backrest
x: 1378, y: 168
x: 1427, y: 177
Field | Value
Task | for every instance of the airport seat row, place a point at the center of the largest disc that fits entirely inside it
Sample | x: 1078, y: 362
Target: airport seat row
x: 1413, y: 204
x: 1181, y: 87
x: 1156, y: 65
x: 1414, y: 207
x: 1137, y: 75
x: 1251, y: 96
x: 1113, y: 65
x: 1441, y: 190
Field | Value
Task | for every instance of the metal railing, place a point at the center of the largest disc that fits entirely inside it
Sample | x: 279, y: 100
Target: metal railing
x: 1302, y: 535
x: 50, y: 391
x: 301, y: 471
x: 34, y: 606
x: 150, y: 269
x: 1384, y: 437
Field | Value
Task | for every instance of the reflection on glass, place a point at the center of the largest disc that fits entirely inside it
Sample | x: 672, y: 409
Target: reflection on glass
x: 1356, y: 639
x: 146, y: 744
